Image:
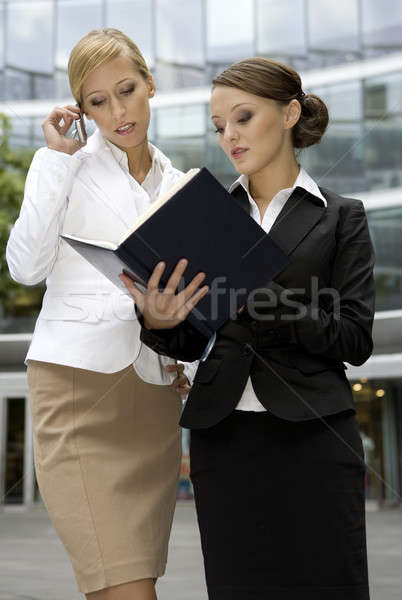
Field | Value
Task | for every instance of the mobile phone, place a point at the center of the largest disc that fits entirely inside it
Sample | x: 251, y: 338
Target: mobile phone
x: 79, y: 129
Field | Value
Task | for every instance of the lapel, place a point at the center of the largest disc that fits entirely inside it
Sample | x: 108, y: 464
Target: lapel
x: 110, y: 181
x: 300, y: 214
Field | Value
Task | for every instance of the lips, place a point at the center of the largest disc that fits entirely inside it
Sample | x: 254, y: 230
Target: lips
x: 238, y: 152
x: 125, y: 129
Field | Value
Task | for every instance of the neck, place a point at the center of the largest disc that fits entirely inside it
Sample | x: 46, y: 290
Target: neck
x: 139, y: 160
x: 276, y: 176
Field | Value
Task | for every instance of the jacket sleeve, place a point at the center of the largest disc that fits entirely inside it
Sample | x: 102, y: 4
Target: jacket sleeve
x: 182, y: 342
x: 344, y: 330
x: 34, y: 239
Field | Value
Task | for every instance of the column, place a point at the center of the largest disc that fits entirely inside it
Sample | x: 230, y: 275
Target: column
x: 29, y: 478
x: 3, y: 442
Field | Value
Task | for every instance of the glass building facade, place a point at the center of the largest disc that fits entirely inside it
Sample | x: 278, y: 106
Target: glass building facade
x: 187, y: 42
x: 348, y: 52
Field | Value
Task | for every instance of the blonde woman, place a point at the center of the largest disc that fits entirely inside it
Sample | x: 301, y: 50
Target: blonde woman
x: 106, y: 435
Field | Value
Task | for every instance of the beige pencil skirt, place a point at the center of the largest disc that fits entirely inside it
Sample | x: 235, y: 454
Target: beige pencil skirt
x: 107, y: 453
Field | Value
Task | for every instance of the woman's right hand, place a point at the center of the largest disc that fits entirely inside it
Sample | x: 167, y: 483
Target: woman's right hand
x: 166, y: 309
x: 55, y: 130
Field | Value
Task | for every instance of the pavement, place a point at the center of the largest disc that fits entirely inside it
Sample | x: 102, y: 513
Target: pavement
x: 34, y: 565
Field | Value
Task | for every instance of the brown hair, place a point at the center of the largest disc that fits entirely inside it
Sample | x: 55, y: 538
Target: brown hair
x: 96, y: 48
x: 271, y: 79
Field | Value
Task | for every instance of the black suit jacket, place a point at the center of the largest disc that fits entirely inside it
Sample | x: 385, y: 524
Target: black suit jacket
x: 298, y: 329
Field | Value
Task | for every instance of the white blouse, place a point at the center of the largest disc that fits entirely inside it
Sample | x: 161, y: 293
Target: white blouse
x: 146, y: 193
x: 150, y: 187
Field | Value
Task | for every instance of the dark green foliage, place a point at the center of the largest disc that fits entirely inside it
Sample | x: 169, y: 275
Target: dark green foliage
x: 16, y: 299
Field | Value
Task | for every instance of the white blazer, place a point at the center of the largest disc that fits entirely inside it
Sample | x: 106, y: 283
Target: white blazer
x: 85, y: 320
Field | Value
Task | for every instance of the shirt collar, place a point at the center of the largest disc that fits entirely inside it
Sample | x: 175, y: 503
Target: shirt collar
x: 121, y: 156
x: 303, y: 180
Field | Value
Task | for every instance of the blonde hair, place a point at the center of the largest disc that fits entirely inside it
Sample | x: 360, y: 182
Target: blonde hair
x: 96, y: 48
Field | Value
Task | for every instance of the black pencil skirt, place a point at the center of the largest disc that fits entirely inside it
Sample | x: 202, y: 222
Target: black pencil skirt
x: 281, y: 508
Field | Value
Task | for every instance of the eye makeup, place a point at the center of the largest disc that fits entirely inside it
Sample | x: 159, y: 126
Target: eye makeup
x: 128, y: 90
x: 244, y: 116
x: 96, y: 102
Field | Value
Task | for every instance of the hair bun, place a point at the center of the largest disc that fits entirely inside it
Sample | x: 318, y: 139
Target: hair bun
x: 312, y: 123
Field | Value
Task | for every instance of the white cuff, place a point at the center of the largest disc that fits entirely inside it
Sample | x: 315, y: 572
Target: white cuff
x: 150, y: 366
x: 190, y: 369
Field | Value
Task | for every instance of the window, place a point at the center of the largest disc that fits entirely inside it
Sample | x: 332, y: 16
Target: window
x: 386, y: 233
x: 181, y: 121
x: 134, y: 18
x: 75, y: 18
x: 180, y: 32
x: 343, y: 100
x: 230, y: 30
x: 185, y: 153
x: 382, y: 26
x: 30, y: 40
x: 18, y: 85
x: 281, y: 28
x: 333, y: 26
x: 179, y: 39
x: 217, y: 161
x: 1, y: 35
x: 21, y: 131
x: 383, y: 123
x: 337, y: 161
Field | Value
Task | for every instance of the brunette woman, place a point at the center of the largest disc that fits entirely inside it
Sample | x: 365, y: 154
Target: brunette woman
x: 276, y: 456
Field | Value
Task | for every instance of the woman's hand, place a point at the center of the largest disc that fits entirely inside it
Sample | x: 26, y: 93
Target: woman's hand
x: 181, y: 384
x: 165, y: 310
x: 55, y: 127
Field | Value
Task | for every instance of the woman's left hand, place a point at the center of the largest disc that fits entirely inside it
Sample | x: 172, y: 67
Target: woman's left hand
x: 181, y: 384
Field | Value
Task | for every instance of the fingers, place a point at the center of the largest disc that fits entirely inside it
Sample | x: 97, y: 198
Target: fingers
x: 61, y: 119
x: 154, y: 280
x: 137, y: 295
x: 73, y: 108
x: 55, y: 128
x: 175, y: 277
x: 65, y: 126
x: 177, y: 306
x: 183, y: 391
x: 181, y: 385
x: 175, y: 368
x: 174, y: 280
x: 192, y: 287
x: 188, y: 306
x: 59, y: 113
